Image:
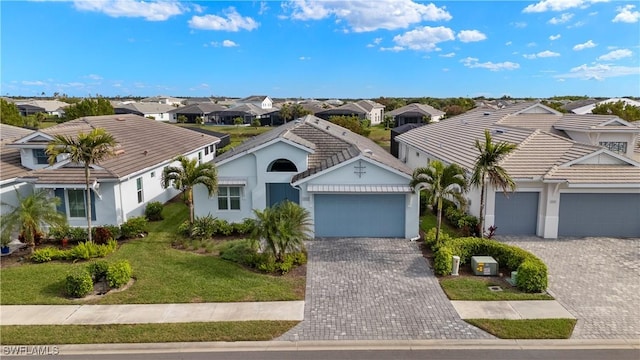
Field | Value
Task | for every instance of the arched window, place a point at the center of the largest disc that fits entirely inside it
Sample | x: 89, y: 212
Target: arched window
x: 282, y: 165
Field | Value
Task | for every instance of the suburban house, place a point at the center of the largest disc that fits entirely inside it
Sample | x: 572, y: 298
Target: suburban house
x: 350, y: 185
x: 204, y: 111
x: 416, y: 114
x: 49, y: 107
x: 363, y: 109
x: 161, y: 99
x: 261, y: 101
x: 120, y: 186
x: 159, y: 112
x: 11, y: 168
x: 586, y: 106
x: 576, y: 175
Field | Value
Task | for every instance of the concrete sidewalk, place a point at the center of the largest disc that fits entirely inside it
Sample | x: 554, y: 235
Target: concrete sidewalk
x: 149, y: 313
x: 514, y: 310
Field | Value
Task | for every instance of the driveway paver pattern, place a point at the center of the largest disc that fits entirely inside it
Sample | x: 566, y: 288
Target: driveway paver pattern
x: 596, y: 279
x: 369, y: 289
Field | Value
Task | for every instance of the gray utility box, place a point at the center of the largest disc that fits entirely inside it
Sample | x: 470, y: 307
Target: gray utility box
x: 484, y: 265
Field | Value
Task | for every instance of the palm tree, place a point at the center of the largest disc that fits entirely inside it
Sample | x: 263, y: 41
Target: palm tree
x: 443, y: 182
x: 282, y: 229
x: 187, y: 175
x: 487, y: 169
x: 31, y: 215
x: 86, y: 149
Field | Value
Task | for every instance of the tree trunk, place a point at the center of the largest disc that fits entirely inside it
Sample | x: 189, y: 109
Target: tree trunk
x: 190, y: 204
x: 481, y: 217
x: 439, y: 220
x: 88, y: 194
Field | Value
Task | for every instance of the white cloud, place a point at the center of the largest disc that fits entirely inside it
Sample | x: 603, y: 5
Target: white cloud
x: 532, y: 44
x: 508, y: 43
x: 473, y: 63
x: 424, y: 38
x: 627, y: 15
x: 303, y: 58
x: 562, y: 19
x: 94, y: 77
x: 229, y: 43
x: 616, y: 54
x: 553, y: 5
x: 555, y: 37
x: 152, y: 11
x: 363, y: 15
x: 542, y: 54
x: 577, y: 25
x: 392, y: 49
x: 520, y: 24
x: 33, y: 83
x: 263, y: 8
x: 599, y: 72
x: 449, y: 55
x: 587, y: 45
x: 471, y: 36
x: 231, y: 21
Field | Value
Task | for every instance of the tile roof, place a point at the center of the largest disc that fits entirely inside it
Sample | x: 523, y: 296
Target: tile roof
x: 146, y: 107
x: 329, y: 145
x: 349, y: 108
x: 142, y: 143
x: 200, y: 108
x: 540, y: 153
x: 10, y: 163
x: 422, y: 109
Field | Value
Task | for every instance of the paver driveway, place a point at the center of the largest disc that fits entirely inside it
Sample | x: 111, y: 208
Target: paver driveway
x: 368, y: 289
x: 596, y: 279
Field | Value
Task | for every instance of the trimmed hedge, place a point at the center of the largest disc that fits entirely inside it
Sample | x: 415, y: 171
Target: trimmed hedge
x: 532, y: 272
x: 118, y: 274
x: 79, y: 283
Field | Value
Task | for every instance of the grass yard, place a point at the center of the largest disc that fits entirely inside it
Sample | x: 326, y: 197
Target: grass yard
x: 526, y: 329
x: 144, y: 333
x: 381, y: 136
x: 163, y: 275
x: 477, y: 289
x: 237, y: 134
x: 429, y: 221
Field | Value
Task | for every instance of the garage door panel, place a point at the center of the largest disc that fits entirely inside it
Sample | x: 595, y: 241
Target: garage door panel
x: 516, y: 213
x: 366, y: 215
x: 583, y: 214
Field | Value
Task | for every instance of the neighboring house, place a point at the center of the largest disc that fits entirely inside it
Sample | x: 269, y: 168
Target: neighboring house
x: 416, y: 114
x: 566, y: 185
x: 10, y: 165
x: 159, y: 112
x: 247, y: 112
x: 350, y: 185
x: 122, y: 185
x: 49, y: 107
x: 394, y: 149
x: 363, y: 109
x: 161, y: 99
x: 586, y: 106
x: 261, y: 101
x: 204, y: 111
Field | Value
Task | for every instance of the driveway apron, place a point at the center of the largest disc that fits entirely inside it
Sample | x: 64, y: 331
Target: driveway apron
x: 596, y: 279
x: 369, y: 289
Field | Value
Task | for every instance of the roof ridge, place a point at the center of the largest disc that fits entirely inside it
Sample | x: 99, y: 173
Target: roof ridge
x: 523, y: 142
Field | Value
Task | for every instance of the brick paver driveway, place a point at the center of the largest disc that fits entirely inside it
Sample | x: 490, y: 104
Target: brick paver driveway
x: 368, y: 289
x: 596, y: 279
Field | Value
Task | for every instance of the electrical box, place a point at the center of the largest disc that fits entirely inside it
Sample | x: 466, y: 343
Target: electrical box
x: 484, y: 265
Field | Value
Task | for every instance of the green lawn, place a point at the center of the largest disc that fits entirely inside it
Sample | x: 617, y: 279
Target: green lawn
x: 477, y: 289
x: 381, y: 136
x: 429, y: 221
x: 237, y: 134
x: 526, y: 329
x: 144, y: 333
x: 163, y: 275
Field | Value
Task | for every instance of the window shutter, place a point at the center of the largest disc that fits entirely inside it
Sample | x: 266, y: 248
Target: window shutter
x: 93, y: 206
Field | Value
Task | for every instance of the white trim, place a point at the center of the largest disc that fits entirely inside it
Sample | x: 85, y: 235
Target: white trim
x: 347, y: 162
x: 377, y: 189
x: 598, y: 152
x: 262, y: 146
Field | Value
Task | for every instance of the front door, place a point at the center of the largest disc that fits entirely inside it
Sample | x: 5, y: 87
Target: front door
x: 277, y: 192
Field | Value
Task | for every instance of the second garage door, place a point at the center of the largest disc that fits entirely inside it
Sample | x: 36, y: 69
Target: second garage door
x: 599, y: 215
x: 516, y: 213
x: 367, y: 215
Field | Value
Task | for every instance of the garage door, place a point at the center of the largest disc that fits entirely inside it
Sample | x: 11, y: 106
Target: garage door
x: 366, y: 215
x: 516, y: 213
x: 599, y: 215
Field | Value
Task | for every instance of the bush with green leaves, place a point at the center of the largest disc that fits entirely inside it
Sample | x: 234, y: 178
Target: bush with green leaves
x: 119, y: 274
x: 78, y: 234
x: 98, y: 269
x: 78, y: 282
x: 532, y: 272
x: 244, y: 227
x: 203, y: 227
x: 222, y: 227
x: 153, y: 211
x: 430, y: 239
x: 45, y: 254
x: 134, y: 227
x: 101, y: 234
x: 239, y: 251
x: 82, y: 251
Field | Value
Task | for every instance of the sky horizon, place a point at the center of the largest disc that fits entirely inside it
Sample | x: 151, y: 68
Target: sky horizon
x: 320, y: 49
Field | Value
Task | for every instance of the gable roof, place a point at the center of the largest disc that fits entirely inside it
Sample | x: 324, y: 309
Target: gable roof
x: 348, y: 108
x: 422, y: 109
x: 142, y: 143
x: 540, y: 152
x: 145, y: 108
x: 328, y: 144
x: 10, y: 162
x: 198, y: 109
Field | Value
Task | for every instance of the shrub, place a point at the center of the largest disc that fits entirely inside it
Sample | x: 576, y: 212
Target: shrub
x: 184, y: 229
x: 44, y: 254
x: 532, y: 272
x: 469, y: 225
x: 204, y: 227
x: 240, y: 251
x: 134, y: 227
x: 60, y: 232
x: 222, y: 227
x: 77, y: 234
x: 98, y: 269
x: 81, y: 251
x: 114, y: 230
x: 101, y: 235
x: 78, y: 283
x: 430, y: 239
x: 267, y: 262
x: 118, y: 274
x: 153, y: 211
x: 243, y: 228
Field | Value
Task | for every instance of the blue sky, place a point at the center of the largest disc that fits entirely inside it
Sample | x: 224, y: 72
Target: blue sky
x: 321, y: 49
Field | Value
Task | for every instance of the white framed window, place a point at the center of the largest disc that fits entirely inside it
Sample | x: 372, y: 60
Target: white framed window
x: 199, y: 157
x: 77, y: 203
x: 229, y: 197
x: 619, y: 147
x: 153, y: 174
x: 139, y: 190
x: 40, y: 157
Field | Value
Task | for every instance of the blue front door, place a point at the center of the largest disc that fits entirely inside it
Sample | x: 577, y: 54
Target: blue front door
x: 277, y: 192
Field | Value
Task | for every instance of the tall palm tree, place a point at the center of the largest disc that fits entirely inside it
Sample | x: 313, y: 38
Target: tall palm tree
x: 187, y: 175
x: 443, y: 182
x: 31, y: 215
x: 487, y: 169
x: 86, y: 149
x: 282, y: 229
